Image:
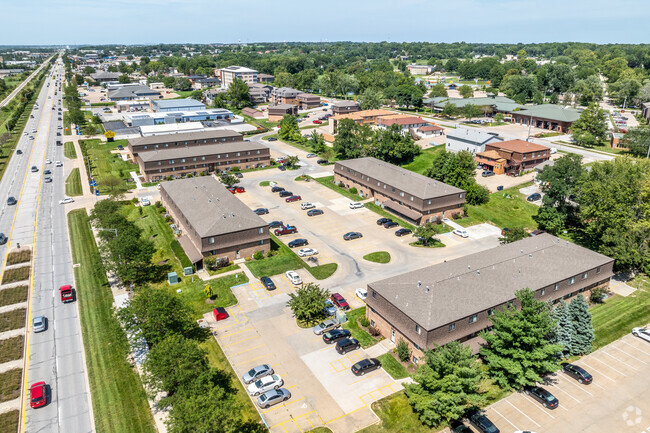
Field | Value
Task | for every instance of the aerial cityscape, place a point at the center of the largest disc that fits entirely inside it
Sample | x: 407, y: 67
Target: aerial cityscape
x: 387, y: 225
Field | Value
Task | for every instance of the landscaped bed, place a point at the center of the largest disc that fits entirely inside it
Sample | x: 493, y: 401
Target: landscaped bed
x: 9, y: 421
x: 13, y: 295
x: 378, y: 257
x: 356, y: 329
x: 16, y: 274
x: 11, y: 349
x: 69, y: 150
x: 73, y: 184
x: 10, y: 384
x: 13, y: 319
x: 21, y: 256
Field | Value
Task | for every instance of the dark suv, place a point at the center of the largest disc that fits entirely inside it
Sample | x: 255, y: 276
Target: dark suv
x: 482, y: 423
x: 578, y: 373
x: 335, y: 335
x: 547, y: 399
x: 277, y: 189
x: 459, y: 427
x: 382, y: 221
x: 286, y: 193
x: 347, y: 345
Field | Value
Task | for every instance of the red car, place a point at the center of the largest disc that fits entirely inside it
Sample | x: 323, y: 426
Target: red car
x: 317, y: 122
x: 287, y: 230
x: 38, y: 396
x: 340, y: 301
x: 66, y: 293
x: 236, y: 189
x: 293, y: 198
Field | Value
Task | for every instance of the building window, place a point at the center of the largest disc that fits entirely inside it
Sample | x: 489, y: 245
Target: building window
x: 261, y: 230
x: 261, y: 243
x: 452, y: 326
x: 417, y: 329
x: 542, y: 292
x: 572, y: 280
x: 238, y: 153
x: 372, y: 323
x: 417, y: 347
x: 428, y: 201
x: 401, y: 194
x: 491, y: 312
x: 415, y: 360
x: 557, y: 286
x: 182, y: 159
x: 460, y: 195
x: 585, y: 275
x: 411, y: 198
x: 171, y: 161
x: 598, y: 270
x: 473, y: 318
x: 211, y: 240
x: 374, y: 294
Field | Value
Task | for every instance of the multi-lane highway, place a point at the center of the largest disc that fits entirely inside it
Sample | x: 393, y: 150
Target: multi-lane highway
x: 38, y: 221
x: 18, y: 88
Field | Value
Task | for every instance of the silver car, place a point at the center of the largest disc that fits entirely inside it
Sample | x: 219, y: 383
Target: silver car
x: 642, y: 333
x: 257, y: 372
x: 39, y: 323
x: 273, y: 397
x: 326, y: 326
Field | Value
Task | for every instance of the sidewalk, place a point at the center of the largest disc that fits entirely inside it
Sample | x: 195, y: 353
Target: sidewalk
x: 453, y: 225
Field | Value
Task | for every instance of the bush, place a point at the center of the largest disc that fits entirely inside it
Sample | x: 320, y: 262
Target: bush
x: 162, y: 209
x: 456, y: 216
x: 157, y: 204
x: 258, y: 255
x: 134, y: 200
x: 597, y: 295
x: 202, y: 173
x: 364, y: 321
x: 373, y: 331
x: 235, y: 169
x: 403, y: 351
x: 271, y: 253
x: 353, y: 190
x: 168, y: 219
x: 248, y: 259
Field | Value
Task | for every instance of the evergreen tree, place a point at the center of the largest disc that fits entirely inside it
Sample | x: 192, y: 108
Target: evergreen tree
x: 582, y: 330
x: 563, y: 328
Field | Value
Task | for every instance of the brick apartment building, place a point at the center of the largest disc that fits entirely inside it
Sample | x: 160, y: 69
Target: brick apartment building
x: 277, y: 112
x: 409, y: 195
x: 212, y: 220
x: 453, y: 301
x: 345, y: 107
x: 187, y: 139
x: 512, y: 156
x: 287, y: 95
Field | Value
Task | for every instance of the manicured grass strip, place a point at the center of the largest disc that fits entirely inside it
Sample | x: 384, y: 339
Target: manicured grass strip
x: 16, y: 274
x: 393, y: 366
x: 119, y: 400
x: 9, y: 421
x: 11, y: 349
x: 102, y: 104
x: 13, y: 319
x: 423, y: 161
x: 264, y: 183
x: 69, y: 150
x: 13, y: 295
x: 396, y: 415
x: 320, y: 430
x: 21, y: 256
x: 503, y: 211
x: 194, y: 295
x: 378, y: 210
x: 323, y: 271
x: 106, y: 165
x: 10, y: 384
x: 378, y: 257
x: 73, y: 184
x: 328, y: 182
x: 179, y: 252
x: 353, y: 326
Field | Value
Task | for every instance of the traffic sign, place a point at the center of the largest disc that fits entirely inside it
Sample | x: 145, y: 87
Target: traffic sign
x: 96, y: 192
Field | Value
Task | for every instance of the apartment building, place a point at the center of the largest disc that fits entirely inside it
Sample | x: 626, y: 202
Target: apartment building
x: 231, y: 73
x: 287, y: 95
x: 512, y: 156
x: 181, y: 140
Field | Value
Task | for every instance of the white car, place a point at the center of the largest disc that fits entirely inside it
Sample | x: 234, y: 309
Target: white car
x: 264, y: 384
x: 48, y: 161
x: 355, y: 205
x: 145, y: 202
x: 307, y: 205
x: 305, y: 252
x: 460, y: 232
x: 66, y: 200
x: 643, y: 333
x: 58, y: 164
x: 361, y: 293
x: 293, y: 277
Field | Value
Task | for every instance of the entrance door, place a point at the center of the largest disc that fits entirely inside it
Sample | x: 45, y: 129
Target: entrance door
x: 237, y: 254
x: 392, y: 336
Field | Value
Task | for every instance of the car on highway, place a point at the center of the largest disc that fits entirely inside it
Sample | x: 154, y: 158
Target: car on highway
x: 274, y: 224
x: 11, y: 200
x: 256, y: 373
x: 326, y: 326
x: 267, y: 283
x: 361, y: 293
x: 365, y: 366
x: 66, y: 200
x: 19, y: 152
x: 347, y: 345
x: 39, y: 323
x: 300, y: 242
x: 266, y: 383
x: 339, y: 301
x: 3, y: 239
x: 352, y: 235
x: 34, y: 169
x: 642, y: 333
x: 481, y: 422
x: 307, y: 205
x: 293, y: 198
x: 534, y: 197
x: 67, y: 295
x: 273, y: 397
x: 335, y: 335
x: 48, y: 161
x: 58, y: 164
x: 382, y: 221
x: 402, y: 232
x: 38, y: 395
x: 355, y: 205
x: 314, y: 212
x: 47, y: 179
x: 390, y: 225
x: 306, y: 252
x: 461, y: 232
x: 547, y: 399
x: 261, y: 211
x: 293, y: 277
x: 578, y: 373
x: 277, y: 189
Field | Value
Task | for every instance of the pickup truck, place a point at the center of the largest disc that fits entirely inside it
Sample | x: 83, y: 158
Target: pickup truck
x: 66, y: 293
x: 286, y: 230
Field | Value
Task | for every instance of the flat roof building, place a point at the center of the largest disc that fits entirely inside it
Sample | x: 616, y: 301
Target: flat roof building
x: 187, y: 139
x: 129, y: 93
x: 470, y: 139
x: 187, y: 104
x: 231, y: 73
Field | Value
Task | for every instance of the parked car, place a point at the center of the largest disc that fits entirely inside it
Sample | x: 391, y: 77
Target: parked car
x: 239, y: 175
x: 272, y: 139
x: 293, y: 277
x: 314, y: 212
x: 458, y: 427
x: 38, y: 395
x: 311, y: 155
x: 286, y: 230
x: 347, y: 345
x: 318, y: 122
x: 307, y: 205
x: 355, y: 205
x: 66, y: 200
x: 322, y: 161
x: 534, y: 197
x: 277, y: 189
x: 352, y: 235
x: 298, y: 243
x: 365, y: 366
x: 39, y: 323
x: 642, y: 333
x: 274, y: 224
x: 261, y: 211
x: 266, y: 383
x: 547, y: 399
x: 329, y: 309
x: 336, y: 335
x: 487, y: 173
x: 578, y: 373
x: 339, y: 301
x: 382, y: 221
x: 256, y: 373
x: 461, y: 232
x: 282, y: 168
x: 293, y: 198
x: 273, y: 397
x: 306, y: 252
x: 268, y: 283
x: 284, y: 193
x: 390, y: 225
x: 145, y: 201
x: 481, y: 422
x: 361, y: 293
x: 11, y: 201
x: 326, y: 326
x: 402, y: 232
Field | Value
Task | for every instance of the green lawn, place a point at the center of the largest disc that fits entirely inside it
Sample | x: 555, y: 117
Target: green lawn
x: 384, y: 213
x: 423, y: 161
x: 396, y: 416
x: 378, y: 257
x: 105, y: 164
x: 118, y: 398
x: 73, y: 184
x: 357, y: 331
x: 618, y: 315
x: 264, y: 183
x: 328, y: 182
x: 192, y: 292
x: 223, y: 270
x: 503, y: 212
x: 323, y: 271
x: 393, y: 366
x: 69, y: 150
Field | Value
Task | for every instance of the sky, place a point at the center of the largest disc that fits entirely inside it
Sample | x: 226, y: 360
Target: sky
x: 75, y: 22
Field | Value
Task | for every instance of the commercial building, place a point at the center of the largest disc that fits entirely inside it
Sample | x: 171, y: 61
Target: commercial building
x: 512, y: 156
x: 419, y: 69
x: 187, y: 104
x: 213, y: 222
x: 489, y: 104
x: 139, y: 145
x: 170, y: 117
x: 409, y: 195
x: 231, y: 73
x: 345, y: 107
x: 454, y: 300
x: 470, y: 139
x: 132, y: 92
x: 171, y: 128
x: 105, y: 77
x: 546, y: 116
x: 277, y: 112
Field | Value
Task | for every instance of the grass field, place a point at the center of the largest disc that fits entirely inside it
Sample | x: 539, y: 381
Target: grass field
x: 396, y: 416
x: 393, y: 366
x: 192, y: 292
x: 10, y: 384
x: 378, y: 257
x: 13, y: 295
x: 11, y: 349
x: 69, y: 150
x: 118, y: 398
x: 353, y: 326
x: 423, y: 161
x: 16, y: 274
x: 21, y: 256
x: 328, y: 182
x: 9, y: 421
x: 73, y: 183
x: 502, y: 211
x: 105, y: 164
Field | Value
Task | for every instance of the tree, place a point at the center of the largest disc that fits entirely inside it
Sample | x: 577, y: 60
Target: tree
x: 449, y: 110
x: 316, y: 142
x: 470, y: 111
x: 371, y: 99
x: 393, y: 146
x: 452, y: 64
x: 123, y: 79
x: 182, y: 84
x: 169, y: 82
x: 307, y: 302
x: 466, y: 91
x: 637, y: 140
x: 89, y: 129
x: 346, y: 144
x: 238, y: 94
x: 517, y: 350
x: 457, y: 169
x: 228, y: 179
x: 560, y: 181
x: 563, y: 331
x: 550, y: 219
x: 519, y: 87
x: 209, y: 292
x: 447, y: 385
x: 111, y: 182
x: 512, y: 235
x: 289, y: 129
x: 291, y: 162
x: 426, y: 233
x: 89, y: 70
x: 591, y: 127
x: 582, y: 336
x: 476, y: 194
x: 588, y: 90
x: 438, y: 90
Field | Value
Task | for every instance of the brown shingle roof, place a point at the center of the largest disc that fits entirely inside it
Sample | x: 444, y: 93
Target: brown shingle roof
x: 362, y: 114
x: 520, y: 146
x: 430, y: 128
x: 185, y: 136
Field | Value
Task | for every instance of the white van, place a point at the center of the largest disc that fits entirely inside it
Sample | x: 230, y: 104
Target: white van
x: 355, y: 205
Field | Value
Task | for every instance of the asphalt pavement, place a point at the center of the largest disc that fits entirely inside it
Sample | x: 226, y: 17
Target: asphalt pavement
x: 21, y: 85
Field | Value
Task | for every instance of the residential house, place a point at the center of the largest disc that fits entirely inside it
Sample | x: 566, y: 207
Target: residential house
x: 206, y: 83
x: 405, y: 123
x: 430, y: 130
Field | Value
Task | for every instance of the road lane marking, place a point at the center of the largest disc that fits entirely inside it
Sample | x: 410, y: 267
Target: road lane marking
x: 581, y: 388
x: 241, y: 341
x: 249, y: 360
x: 560, y: 389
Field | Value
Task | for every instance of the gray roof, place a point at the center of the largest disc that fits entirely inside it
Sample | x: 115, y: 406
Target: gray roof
x: 209, y: 207
x: 473, y: 136
x: 179, y: 103
x: 401, y: 178
x: 501, y: 103
x: 103, y: 75
x: 342, y: 104
x: 282, y: 107
x: 551, y: 112
x: 286, y: 92
x: 461, y: 287
x: 184, y: 136
x: 204, y: 150
x: 132, y: 91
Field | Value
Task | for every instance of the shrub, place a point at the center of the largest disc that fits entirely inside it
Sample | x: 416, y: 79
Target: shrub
x: 456, y: 216
x: 157, y: 204
x: 597, y: 295
x: 353, y: 190
x: 364, y: 321
x: 271, y: 253
x: 169, y: 178
x: 236, y: 169
x: 162, y: 209
x: 258, y: 255
x: 189, y: 175
x: 202, y: 173
x: 168, y: 219
x: 373, y: 331
x: 403, y: 351
x: 248, y: 259
x: 134, y: 200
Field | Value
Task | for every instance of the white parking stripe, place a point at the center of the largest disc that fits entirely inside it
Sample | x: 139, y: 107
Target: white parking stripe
x: 631, y: 356
x: 516, y: 428
x: 597, y: 371
x: 537, y: 405
x: 581, y: 388
x: 609, y: 366
x: 517, y: 409
x: 634, y: 347
x: 620, y: 360
x: 560, y: 389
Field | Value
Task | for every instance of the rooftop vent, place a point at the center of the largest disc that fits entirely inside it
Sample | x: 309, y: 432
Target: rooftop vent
x: 427, y: 289
x: 419, y: 283
x: 223, y: 216
x: 469, y: 267
x: 530, y: 255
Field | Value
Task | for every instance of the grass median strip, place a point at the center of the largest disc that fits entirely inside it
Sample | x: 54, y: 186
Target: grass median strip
x: 13, y: 295
x: 10, y: 384
x: 16, y: 274
x: 119, y: 400
x: 9, y: 421
x: 357, y: 331
x: 69, y: 150
x: 21, y: 256
x: 11, y: 349
x: 73, y: 184
x: 13, y: 319
x: 378, y: 257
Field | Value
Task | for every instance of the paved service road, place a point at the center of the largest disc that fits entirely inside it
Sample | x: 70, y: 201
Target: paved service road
x: 21, y: 85
x: 55, y: 356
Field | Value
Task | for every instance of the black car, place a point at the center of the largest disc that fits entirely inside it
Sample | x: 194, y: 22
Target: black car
x: 382, y: 221
x: 322, y: 161
x: 459, y: 427
x: 3, y: 239
x: 347, y: 345
x: 277, y: 189
x: 11, y: 201
x: 314, y: 212
x: 34, y: 169
x: 578, y: 373
x: 390, y: 225
x: 298, y: 243
x: 239, y: 175
x: 402, y: 232
x: 547, y: 399
x: 335, y: 335
x: 272, y: 139
x: 352, y: 235
x: 47, y: 172
x: 482, y: 423
x: 534, y: 197
x: 19, y: 152
x: 261, y: 211
x: 268, y: 283
x: 275, y: 224
x: 282, y: 168
x: 286, y: 193
x: 365, y: 366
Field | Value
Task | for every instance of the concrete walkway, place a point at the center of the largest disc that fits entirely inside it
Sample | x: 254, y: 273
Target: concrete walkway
x: 619, y: 286
x: 12, y: 365
x: 136, y: 179
x: 384, y: 346
x: 452, y: 224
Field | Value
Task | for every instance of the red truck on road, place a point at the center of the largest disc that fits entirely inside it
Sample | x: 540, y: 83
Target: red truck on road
x: 66, y: 293
x: 286, y: 230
